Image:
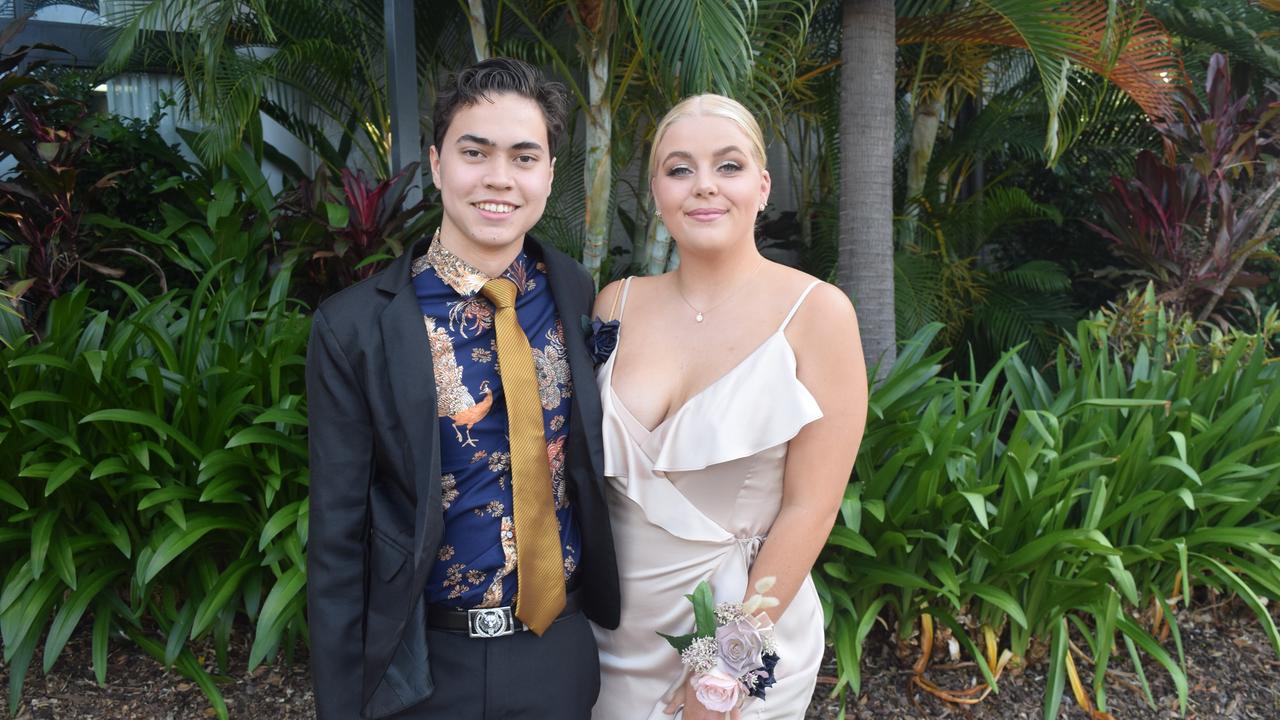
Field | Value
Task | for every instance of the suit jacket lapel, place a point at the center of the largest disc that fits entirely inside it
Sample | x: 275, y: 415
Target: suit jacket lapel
x: 412, y: 380
x: 572, y: 298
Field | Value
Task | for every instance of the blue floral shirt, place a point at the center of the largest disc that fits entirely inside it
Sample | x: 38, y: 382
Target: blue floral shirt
x: 475, y: 566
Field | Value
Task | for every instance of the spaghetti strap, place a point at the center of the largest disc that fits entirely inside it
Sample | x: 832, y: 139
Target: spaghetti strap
x: 796, y: 307
x: 620, y: 300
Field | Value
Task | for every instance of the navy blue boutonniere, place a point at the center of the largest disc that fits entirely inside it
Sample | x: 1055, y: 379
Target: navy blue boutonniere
x: 765, y: 677
x: 602, y: 338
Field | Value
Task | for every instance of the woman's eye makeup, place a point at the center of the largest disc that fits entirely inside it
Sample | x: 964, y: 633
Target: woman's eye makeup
x: 729, y: 166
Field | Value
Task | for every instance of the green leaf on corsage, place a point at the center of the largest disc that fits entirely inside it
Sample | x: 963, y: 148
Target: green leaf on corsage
x: 704, y: 610
x: 680, y: 642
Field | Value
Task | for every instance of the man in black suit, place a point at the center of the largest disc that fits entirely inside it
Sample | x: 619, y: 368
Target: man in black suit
x: 433, y: 481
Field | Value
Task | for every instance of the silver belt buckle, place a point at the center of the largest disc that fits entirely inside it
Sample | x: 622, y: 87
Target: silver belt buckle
x: 490, y: 622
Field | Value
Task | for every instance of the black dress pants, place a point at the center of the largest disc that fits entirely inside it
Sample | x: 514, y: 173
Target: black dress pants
x: 515, y: 677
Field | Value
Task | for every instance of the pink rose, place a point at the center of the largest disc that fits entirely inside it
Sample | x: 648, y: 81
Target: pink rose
x: 740, y: 647
x: 716, y: 691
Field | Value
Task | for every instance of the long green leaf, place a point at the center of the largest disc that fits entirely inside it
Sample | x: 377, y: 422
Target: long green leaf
x: 273, y: 618
x: 1152, y: 648
x: 68, y: 616
x: 137, y: 417
x: 177, y: 540
x: 1057, y: 677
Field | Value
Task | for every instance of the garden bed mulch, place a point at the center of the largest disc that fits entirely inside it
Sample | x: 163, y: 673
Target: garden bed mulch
x: 1233, y: 674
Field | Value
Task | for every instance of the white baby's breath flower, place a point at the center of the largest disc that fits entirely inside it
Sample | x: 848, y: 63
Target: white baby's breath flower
x: 701, y: 655
x: 729, y: 612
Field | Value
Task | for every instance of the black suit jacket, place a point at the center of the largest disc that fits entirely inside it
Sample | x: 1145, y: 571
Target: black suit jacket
x: 375, y: 513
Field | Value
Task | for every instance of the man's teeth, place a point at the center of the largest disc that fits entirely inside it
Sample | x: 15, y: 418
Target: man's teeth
x: 496, y: 207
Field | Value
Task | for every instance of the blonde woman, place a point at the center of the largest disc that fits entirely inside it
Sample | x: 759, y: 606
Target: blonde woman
x: 733, y: 403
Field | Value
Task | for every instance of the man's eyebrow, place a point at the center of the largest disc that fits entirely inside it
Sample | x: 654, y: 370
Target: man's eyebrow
x: 477, y: 140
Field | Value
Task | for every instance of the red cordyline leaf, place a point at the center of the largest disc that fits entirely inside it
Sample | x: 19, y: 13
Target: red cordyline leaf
x: 1149, y: 69
x: 43, y: 133
x: 364, y: 203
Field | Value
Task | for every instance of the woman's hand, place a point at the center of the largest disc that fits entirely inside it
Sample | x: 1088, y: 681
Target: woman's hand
x: 684, y: 697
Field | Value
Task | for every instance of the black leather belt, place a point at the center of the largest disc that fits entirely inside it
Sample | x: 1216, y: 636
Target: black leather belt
x: 490, y: 622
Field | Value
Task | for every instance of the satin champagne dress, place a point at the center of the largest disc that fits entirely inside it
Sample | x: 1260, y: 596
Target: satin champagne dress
x: 691, y: 500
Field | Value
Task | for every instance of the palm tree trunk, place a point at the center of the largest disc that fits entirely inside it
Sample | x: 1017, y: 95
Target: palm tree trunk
x: 865, y: 268
x: 924, y: 135
x: 659, y: 248
x: 600, y: 20
x: 598, y: 170
x: 479, y: 30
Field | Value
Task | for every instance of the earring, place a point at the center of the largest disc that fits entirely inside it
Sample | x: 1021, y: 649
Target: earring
x: 657, y: 212
x: 761, y: 207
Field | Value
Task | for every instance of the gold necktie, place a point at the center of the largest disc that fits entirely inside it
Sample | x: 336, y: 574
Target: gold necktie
x: 539, y: 561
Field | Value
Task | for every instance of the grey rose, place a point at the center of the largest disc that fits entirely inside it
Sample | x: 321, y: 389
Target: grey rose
x: 740, y: 647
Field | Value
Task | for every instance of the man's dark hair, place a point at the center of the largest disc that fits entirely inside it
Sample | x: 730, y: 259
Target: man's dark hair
x: 496, y: 76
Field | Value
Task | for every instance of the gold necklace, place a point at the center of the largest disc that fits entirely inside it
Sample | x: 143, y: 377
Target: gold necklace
x: 698, y: 314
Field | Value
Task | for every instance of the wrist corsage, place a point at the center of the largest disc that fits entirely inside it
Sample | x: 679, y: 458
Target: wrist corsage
x: 731, y: 653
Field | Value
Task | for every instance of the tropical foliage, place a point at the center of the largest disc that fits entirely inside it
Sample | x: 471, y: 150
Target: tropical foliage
x: 344, y: 231
x: 985, y: 303
x: 1011, y: 506
x: 1037, y: 485
x: 1193, y: 226
x: 67, y: 163
x: 159, y: 457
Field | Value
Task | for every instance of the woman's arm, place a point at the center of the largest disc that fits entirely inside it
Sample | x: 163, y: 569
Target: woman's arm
x: 824, y: 334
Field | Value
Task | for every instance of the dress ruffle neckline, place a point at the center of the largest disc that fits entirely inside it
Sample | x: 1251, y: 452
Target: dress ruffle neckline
x: 761, y: 404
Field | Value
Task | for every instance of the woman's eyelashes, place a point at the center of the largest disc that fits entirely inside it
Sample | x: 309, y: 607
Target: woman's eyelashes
x: 728, y: 167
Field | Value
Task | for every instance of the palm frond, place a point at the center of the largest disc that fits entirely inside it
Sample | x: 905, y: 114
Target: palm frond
x: 307, y: 58
x: 1134, y: 53
x: 779, y: 51
x: 962, y: 229
x: 917, y: 291
x: 1037, y: 276
x: 704, y: 44
x: 1239, y: 27
x: 1008, y: 127
x: 1012, y: 315
x: 561, y: 222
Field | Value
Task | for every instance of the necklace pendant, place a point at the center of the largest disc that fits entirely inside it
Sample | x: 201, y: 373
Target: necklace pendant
x: 698, y: 317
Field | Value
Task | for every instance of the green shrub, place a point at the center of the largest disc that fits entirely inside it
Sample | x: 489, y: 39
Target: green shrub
x: 1017, y: 500
x: 159, y: 457
x: 62, y: 162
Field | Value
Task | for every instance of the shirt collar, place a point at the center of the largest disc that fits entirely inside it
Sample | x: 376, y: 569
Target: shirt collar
x: 460, y: 275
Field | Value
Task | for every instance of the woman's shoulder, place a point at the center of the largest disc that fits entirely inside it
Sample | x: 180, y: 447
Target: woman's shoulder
x: 820, y: 307
x: 610, y: 298
x: 819, y: 297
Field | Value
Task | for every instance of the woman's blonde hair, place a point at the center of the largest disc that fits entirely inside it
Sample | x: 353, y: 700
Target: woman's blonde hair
x: 711, y: 105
